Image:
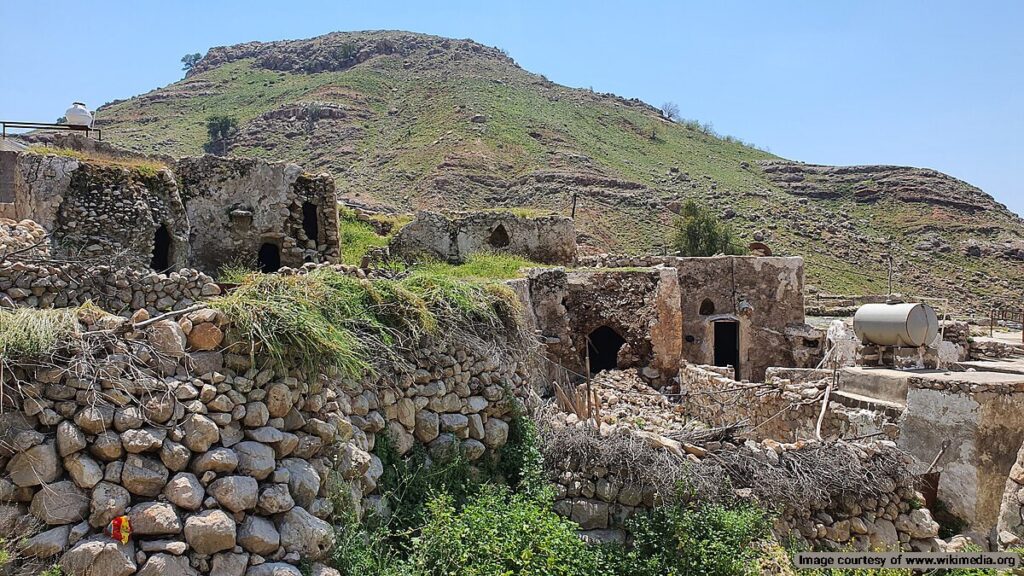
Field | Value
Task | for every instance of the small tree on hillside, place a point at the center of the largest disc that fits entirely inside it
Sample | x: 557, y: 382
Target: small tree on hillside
x: 670, y: 110
x: 190, y: 60
x: 698, y: 232
x: 220, y: 129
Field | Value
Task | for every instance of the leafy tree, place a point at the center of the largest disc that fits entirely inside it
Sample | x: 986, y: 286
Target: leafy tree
x: 62, y: 120
x: 670, y: 110
x: 220, y: 129
x: 700, y: 233
x: 190, y: 60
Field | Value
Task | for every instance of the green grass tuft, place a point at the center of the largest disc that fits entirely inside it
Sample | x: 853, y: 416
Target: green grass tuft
x: 326, y: 318
x: 483, y: 265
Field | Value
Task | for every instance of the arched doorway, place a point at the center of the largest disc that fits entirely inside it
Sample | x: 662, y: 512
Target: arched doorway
x: 161, y: 249
x: 499, y: 237
x: 603, y: 345
x: 727, y: 344
x: 269, y: 258
x: 310, y: 221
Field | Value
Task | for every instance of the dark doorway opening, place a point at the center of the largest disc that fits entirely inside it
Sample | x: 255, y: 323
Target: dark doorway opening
x: 161, y: 249
x: 310, y: 221
x: 499, y: 237
x: 603, y: 347
x: 727, y: 345
x: 269, y: 258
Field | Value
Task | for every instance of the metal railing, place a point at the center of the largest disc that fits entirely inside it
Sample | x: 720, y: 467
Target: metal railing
x: 5, y: 124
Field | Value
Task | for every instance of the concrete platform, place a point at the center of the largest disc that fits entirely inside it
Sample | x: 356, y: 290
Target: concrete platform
x: 889, y: 385
x: 1006, y: 365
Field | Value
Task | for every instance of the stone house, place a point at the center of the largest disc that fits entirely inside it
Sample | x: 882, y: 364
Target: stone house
x: 204, y: 212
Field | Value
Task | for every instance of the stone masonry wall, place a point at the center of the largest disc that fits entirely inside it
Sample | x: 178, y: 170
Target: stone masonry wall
x: 780, y: 409
x: 223, y: 465
x: 546, y: 239
x: 601, y: 503
x: 205, y: 212
x: 117, y: 290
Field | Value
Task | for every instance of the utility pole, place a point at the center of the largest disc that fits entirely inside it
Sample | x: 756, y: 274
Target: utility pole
x: 574, y: 196
x: 889, y: 258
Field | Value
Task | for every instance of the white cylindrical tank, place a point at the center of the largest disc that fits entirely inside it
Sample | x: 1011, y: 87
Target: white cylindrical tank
x: 910, y: 325
x: 78, y: 115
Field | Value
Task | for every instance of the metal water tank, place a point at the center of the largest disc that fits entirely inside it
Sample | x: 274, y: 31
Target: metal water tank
x: 908, y: 324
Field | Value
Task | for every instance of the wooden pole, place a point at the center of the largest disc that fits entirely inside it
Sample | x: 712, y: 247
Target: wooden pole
x: 590, y: 409
x: 574, y: 196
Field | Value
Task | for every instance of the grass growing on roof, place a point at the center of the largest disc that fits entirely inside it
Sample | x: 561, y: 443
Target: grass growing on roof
x: 325, y: 318
x: 31, y: 332
x: 357, y: 237
x: 144, y: 166
x: 483, y: 265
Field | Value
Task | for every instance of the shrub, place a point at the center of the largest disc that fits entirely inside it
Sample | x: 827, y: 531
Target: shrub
x: 713, y: 540
x: 700, y: 233
x: 499, y: 532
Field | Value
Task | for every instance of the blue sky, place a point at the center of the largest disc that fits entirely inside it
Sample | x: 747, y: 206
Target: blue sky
x: 938, y: 84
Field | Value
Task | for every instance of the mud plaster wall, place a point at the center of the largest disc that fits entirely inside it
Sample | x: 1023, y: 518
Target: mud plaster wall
x: 982, y: 432
x: 773, y: 287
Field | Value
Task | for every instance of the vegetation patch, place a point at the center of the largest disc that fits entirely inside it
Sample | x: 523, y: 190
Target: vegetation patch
x: 33, y: 332
x: 146, y: 167
x: 326, y: 318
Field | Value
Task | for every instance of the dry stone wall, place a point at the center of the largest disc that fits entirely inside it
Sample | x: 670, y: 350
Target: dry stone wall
x: 115, y: 289
x: 602, y: 501
x: 223, y: 463
x: 781, y: 409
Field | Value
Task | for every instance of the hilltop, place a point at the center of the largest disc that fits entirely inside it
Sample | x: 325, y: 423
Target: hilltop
x: 406, y: 121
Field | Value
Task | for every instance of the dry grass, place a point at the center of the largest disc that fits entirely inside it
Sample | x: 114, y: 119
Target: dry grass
x: 145, y: 166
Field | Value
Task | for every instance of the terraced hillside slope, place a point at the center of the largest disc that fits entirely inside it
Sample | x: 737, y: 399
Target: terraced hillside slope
x: 407, y: 121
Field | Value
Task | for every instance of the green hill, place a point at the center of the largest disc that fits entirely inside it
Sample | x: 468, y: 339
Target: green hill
x: 407, y: 121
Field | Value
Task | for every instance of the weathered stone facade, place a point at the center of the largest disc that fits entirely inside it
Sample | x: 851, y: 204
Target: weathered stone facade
x: 204, y: 212
x: 761, y: 296
x: 545, y: 239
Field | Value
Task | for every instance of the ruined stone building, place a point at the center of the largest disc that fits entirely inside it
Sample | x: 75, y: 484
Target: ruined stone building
x: 544, y: 239
x: 740, y: 311
x: 204, y: 212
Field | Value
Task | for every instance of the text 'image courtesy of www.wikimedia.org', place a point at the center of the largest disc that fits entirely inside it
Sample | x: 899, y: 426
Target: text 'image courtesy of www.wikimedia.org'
x: 913, y: 560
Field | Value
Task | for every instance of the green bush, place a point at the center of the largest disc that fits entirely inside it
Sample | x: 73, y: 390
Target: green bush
x: 499, y: 532
x: 711, y: 540
x: 699, y: 233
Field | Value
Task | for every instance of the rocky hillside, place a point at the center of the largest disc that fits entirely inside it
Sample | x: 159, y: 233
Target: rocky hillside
x: 407, y: 121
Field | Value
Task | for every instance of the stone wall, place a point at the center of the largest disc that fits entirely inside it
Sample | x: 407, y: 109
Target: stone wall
x: 116, y: 290
x: 236, y: 205
x: 545, y: 239
x: 225, y: 464
x: 601, y: 502
x: 640, y: 306
x: 204, y: 212
x: 780, y: 409
x: 1010, y: 525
